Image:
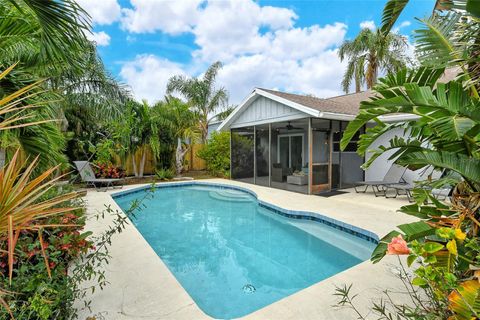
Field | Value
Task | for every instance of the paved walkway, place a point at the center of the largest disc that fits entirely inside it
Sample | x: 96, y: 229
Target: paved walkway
x: 141, y: 286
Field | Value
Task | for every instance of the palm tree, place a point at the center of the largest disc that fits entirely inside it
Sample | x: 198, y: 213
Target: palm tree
x: 201, y: 94
x: 368, y: 54
x: 48, y: 42
x: 137, y: 131
x: 176, y: 115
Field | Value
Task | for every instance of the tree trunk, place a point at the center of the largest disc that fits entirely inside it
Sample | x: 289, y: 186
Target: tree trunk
x: 142, y: 163
x: 179, y: 154
x: 204, y: 132
x: 357, y: 85
x: 372, y: 71
x: 134, y: 164
x: 204, y: 128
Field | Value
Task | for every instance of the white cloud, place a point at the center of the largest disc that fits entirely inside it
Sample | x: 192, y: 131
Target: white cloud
x: 226, y: 29
x: 401, y: 25
x: 102, y: 11
x: 148, y: 75
x: 173, y: 17
x: 259, y: 46
x: 100, y: 38
x: 319, y: 75
x: 369, y: 24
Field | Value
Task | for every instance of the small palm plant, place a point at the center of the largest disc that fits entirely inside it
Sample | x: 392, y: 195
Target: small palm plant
x: 165, y: 174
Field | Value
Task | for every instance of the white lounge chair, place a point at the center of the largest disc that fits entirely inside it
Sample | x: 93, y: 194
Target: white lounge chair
x: 88, y: 176
x: 394, y: 175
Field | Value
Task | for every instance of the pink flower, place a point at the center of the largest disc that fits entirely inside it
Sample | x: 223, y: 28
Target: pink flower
x: 398, y: 246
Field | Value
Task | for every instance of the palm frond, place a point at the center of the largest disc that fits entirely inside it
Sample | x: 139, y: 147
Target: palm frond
x: 434, y: 44
x: 465, y: 166
x: 391, y: 12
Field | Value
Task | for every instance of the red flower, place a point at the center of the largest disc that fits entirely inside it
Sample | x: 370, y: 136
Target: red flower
x: 66, y: 246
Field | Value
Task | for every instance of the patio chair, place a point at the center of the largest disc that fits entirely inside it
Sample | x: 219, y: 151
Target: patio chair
x: 406, y: 188
x: 394, y: 175
x: 88, y: 176
x: 279, y: 173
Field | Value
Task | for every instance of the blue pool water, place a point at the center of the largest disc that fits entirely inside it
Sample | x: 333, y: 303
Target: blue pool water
x: 233, y: 256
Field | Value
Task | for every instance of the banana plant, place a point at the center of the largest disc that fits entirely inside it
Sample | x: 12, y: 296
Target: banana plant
x: 445, y: 134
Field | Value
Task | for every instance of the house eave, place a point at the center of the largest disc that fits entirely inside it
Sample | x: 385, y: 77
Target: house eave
x: 227, y: 123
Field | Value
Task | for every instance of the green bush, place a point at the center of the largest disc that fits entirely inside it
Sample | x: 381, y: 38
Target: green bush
x: 165, y: 174
x: 216, y: 154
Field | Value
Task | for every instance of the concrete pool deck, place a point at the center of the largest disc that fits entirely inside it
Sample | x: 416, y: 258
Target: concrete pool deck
x: 142, y: 287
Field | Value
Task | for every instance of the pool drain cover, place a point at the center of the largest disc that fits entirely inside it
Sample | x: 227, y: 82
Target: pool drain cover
x: 249, y: 288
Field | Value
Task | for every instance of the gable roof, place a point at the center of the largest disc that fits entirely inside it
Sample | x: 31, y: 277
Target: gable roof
x: 344, y: 107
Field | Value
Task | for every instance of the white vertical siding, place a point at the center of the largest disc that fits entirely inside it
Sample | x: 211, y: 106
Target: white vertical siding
x: 264, y: 110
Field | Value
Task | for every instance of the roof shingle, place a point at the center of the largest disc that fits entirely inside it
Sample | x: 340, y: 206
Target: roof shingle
x: 346, y: 104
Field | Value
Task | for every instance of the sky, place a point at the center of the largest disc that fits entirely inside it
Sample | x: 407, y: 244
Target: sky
x: 276, y: 44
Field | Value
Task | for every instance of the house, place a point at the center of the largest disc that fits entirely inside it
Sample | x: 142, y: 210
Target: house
x: 292, y: 141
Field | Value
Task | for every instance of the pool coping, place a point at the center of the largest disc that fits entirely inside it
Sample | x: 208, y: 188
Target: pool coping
x: 292, y: 214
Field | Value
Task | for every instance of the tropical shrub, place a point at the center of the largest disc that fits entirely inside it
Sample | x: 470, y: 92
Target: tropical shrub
x: 41, y: 288
x: 165, y: 174
x: 137, y: 131
x: 47, y: 289
x: 108, y: 171
x: 216, y: 154
x: 103, y: 151
x: 177, y: 117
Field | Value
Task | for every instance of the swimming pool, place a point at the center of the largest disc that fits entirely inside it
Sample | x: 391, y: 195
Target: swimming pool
x: 232, y: 253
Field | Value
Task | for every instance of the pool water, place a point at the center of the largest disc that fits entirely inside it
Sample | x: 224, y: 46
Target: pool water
x: 234, y: 256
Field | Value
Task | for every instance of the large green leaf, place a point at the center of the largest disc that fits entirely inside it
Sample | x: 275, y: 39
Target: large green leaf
x: 416, y: 230
x: 434, y: 43
x: 473, y: 7
x: 402, y: 92
x: 452, y: 128
x: 391, y: 12
x: 399, y: 145
x: 468, y: 168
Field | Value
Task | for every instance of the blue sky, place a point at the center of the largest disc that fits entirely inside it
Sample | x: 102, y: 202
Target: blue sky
x: 285, y: 45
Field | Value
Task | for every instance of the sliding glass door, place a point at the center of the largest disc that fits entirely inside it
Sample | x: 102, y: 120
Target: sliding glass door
x: 290, y: 151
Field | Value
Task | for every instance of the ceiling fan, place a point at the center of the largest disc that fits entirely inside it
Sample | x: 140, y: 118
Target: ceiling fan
x: 290, y: 127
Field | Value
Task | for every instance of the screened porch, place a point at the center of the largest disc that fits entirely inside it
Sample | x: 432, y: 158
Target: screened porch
x: 301, y: 155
